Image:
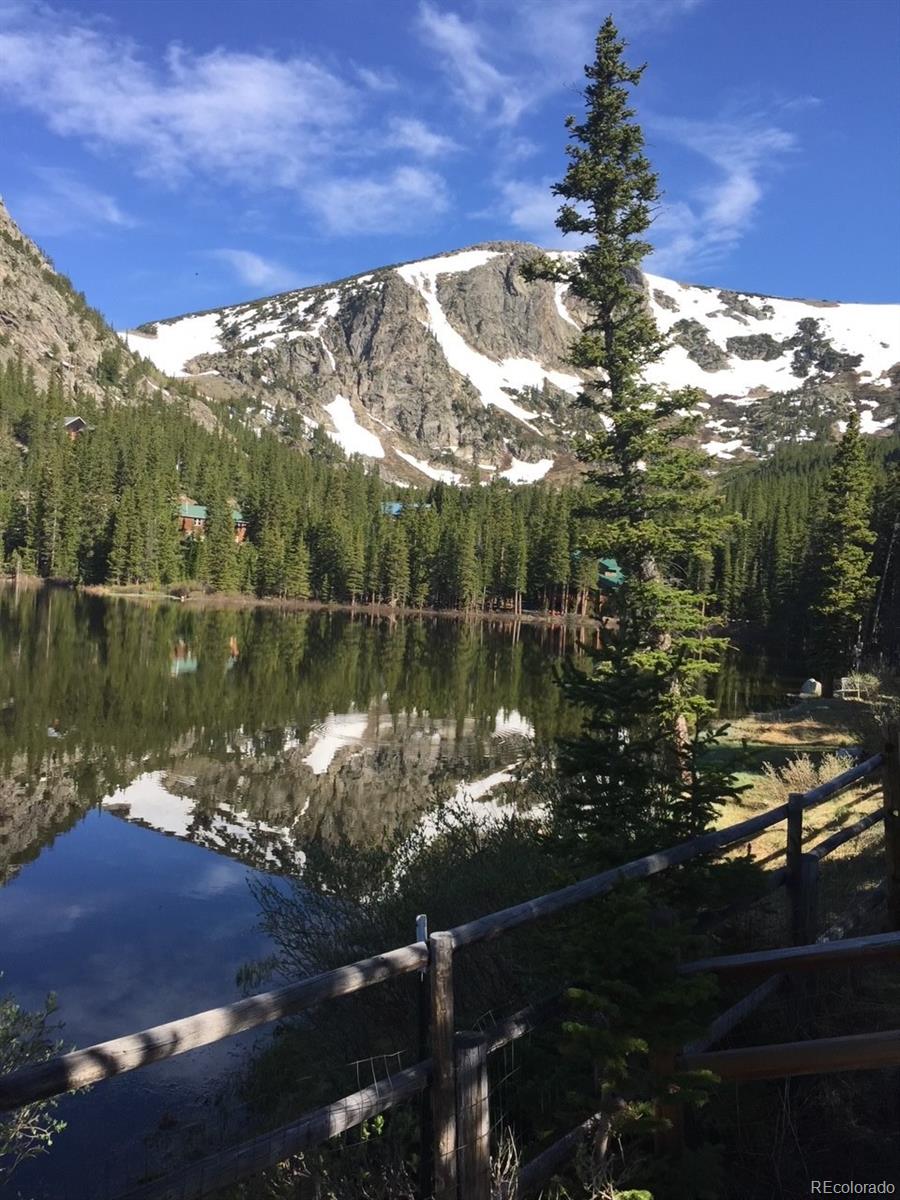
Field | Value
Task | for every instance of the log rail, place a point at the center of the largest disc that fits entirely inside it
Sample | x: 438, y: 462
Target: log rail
x: 455, y: 1073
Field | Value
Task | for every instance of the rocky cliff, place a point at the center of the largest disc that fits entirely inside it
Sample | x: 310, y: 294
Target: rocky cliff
x: 50, y: 325
x: 455, y: 367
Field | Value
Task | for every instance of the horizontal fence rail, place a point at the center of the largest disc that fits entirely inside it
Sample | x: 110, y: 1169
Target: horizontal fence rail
x: 269, y: 1149
x: 848, y: 952
x: 495, y: 924
x: 83, y: 1067
x: 438, y: 1073
x: 860, y: 1052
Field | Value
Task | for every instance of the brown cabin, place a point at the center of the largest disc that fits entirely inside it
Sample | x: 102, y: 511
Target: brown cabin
x: 192, y: 520
x: 74, y: 426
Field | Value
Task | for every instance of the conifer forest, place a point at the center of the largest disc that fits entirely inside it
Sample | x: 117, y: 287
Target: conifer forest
x: 102, y: 507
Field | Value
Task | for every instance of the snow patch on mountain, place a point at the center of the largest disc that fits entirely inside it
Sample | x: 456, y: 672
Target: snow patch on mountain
x: 438, y: 474
x: 866, y: 329
x: 348, y: 433
x: 723, y: 449
x: 174, y: 345
x: 559, y: 292
x: 527, y: 472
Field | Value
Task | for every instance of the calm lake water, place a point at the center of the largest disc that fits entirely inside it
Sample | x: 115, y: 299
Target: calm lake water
x: 154, y: 762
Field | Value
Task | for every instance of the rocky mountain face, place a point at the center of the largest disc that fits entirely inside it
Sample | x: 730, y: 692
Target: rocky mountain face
x: 50, y: 325
x: 455, y: 368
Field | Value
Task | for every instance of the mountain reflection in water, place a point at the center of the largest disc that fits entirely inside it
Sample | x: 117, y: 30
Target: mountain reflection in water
x: 249, y: 732
x: 243, y: 737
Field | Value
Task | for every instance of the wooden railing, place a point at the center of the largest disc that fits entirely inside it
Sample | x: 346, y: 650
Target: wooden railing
x: 455, y: 1070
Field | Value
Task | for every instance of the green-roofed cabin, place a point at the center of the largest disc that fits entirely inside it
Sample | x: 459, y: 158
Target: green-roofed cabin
x: 192, y: 519
x: 611, y: 573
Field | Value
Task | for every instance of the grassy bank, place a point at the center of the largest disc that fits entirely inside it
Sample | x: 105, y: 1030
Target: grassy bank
x: 199, y: 598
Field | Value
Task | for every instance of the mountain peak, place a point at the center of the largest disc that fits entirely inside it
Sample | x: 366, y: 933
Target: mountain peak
x: 454, y: 367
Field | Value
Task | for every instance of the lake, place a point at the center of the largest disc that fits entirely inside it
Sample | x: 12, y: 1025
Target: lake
x: 156, y: 760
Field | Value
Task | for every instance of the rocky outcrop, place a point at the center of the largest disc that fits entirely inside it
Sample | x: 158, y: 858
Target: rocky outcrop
x: 53, y: 330
x: 48, y: 323
x: 455, y: 367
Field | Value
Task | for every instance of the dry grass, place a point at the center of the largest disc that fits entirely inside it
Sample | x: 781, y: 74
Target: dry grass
x: 800, y: 773
x: 810, y: 724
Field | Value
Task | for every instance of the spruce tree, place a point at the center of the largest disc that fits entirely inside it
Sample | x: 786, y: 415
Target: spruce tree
x: 222, y: 565
x: 296, y: 578
x: 648, y: 500
x: 842, y: 559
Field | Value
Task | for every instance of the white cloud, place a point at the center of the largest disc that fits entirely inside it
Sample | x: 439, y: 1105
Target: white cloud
x: 477, y: 83
x: 409, y: 133
x: 255, y: 270
x: 532, y: 208
x: 699, y: 231
x: 238, y: 115
x: 64, y: 204
x: 541, y: 44
x: 379, y: 204
x: 377, y: 81
x: 252, y: 120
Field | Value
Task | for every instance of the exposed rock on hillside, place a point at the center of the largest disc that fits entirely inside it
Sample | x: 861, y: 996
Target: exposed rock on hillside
x: 455, y: 367
x: 51, y: 327
x: 48, y: 323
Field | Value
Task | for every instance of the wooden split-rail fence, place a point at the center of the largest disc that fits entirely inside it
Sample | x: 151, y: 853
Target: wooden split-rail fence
x: 452, y: 1075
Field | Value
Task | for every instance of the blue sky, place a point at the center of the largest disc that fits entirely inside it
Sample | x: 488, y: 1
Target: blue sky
x: 174, y: 156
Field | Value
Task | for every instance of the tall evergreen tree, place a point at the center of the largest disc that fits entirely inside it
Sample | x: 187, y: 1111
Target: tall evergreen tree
x: 842, y: 558
x: 649, y: 501
x: 222, y: 565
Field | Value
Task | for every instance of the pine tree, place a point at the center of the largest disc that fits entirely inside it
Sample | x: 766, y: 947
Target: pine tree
x: 396, y: 567
x: 271, y: 563
x: 648, y: 503
x: 842, y: 559
x: 296, y: 576
x: 222, y: 566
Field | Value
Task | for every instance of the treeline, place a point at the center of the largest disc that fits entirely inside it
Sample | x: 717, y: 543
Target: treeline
x: 103, y: 508
x: 768, y: 577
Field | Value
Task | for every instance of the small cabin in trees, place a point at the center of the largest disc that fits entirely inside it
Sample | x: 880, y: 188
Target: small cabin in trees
x: 74, y: 426
x: 192, y: 520
x: 611, y: 573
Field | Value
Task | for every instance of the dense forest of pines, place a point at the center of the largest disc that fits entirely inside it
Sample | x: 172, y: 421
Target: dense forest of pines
x: 102, y: 508
x: 767, y: 578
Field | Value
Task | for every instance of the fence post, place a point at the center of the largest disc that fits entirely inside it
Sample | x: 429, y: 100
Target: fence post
x: 423, y: 1003
x: 794, y: 853
x: 473, y: 1117
x: 668, y: 1139
x: 443, y: 1082
x: 891, y: 784
x: 806, y: 901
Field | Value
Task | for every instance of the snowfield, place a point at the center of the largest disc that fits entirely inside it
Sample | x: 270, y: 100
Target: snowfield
x: 526, y: 472
x: 439, y: 474
x: 177, y: 343
x: 348, y: 433
x: 869, y: 330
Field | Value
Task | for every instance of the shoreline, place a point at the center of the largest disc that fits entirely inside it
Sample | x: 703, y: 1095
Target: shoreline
x: 240, y: 600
